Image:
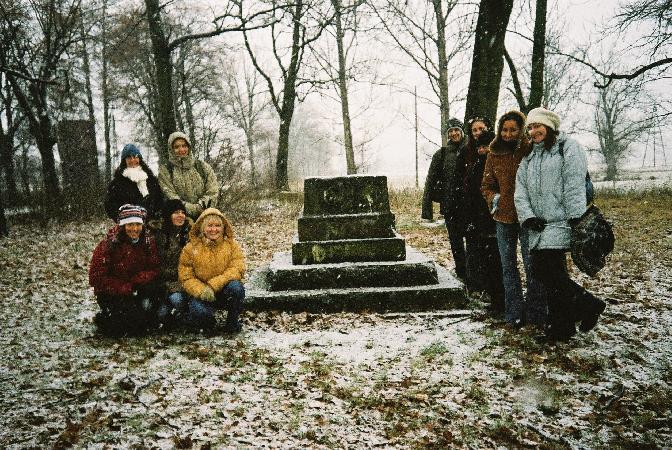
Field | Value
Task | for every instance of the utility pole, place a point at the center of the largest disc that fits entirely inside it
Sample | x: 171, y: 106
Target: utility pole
x: 415, y: 96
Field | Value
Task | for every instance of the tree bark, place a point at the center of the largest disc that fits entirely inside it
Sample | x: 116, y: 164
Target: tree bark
x: 106, y: 98
x: 7, y: 142
x: 488, y: 59
x: 288, y: 104
x: 4, y: 230
x: 40, y: 126
x: 538, y: 54
x: 343, y: 89
x: 164, y: 74
x: 444, y: 103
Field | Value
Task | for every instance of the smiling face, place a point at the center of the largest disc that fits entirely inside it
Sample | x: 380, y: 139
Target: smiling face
x: 180, y: 147
x: 537, y: 132
x: 178, y: 217
x: 213, y: 227
x: 133, y: 230
x: 510, y: 131
x: 132, y: 161
x: 455, y: 135
x: 477, y: 128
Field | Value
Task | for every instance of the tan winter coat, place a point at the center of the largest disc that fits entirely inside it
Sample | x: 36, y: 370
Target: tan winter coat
x: 205, y: 263
x: 186, y: 183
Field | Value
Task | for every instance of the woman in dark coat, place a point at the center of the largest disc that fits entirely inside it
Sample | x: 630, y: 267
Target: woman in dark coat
x: 170, y: 239
x: 484, y: 269
x: 133, y: 183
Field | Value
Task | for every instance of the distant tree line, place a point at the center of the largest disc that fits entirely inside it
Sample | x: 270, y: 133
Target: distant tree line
x: 172, y: 65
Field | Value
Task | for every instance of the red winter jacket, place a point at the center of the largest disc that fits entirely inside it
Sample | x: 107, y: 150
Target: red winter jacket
x: 119, y: 267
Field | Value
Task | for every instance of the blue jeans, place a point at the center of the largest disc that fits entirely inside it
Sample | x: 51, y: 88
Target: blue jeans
x: 174, y: 307
x: 507, y: 242
x: 202, y: 314
x: 533, y: 310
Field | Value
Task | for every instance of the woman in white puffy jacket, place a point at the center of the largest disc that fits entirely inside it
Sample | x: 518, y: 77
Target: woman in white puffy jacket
x: 550, y: 197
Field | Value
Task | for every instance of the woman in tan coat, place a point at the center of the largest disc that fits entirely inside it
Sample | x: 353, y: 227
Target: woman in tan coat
x: 211, y: 269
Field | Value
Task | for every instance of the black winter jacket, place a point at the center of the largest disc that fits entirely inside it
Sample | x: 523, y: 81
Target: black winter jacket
x: 121, y: 190
x: 477, y: 218
x: 443, y: 169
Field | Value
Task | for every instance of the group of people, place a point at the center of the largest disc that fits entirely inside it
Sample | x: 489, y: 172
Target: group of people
x: 171, y: 258
x: 523, y: 182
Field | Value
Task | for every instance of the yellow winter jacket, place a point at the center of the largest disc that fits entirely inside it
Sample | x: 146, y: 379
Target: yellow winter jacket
x: 206, y: 263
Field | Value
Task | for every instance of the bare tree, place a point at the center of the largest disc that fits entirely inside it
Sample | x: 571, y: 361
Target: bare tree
x: 234, y: 18
x: 538, y: 58
x: 245, y: 107
x: 561, y: 87
x: 40, y: 34
x: 624, y: 113
x: 12, y: 121
x: 305, y: 24
x: 421, y: 31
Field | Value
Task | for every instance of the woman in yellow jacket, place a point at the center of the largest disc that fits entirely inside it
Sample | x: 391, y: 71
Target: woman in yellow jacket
x: 211, y: 268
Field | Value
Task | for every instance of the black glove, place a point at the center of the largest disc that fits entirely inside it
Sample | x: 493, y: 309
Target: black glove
x: 574, y: 222
x: 535, y: 223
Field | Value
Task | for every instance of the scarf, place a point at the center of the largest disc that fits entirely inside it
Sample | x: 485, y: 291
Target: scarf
x: 139, y: 177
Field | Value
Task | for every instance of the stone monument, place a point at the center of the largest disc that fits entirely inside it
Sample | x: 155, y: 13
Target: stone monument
x: 347, y: 255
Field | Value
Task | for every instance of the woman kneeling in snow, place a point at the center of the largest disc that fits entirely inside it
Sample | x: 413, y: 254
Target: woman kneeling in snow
x: 211, y: 269
x: 124, y: 274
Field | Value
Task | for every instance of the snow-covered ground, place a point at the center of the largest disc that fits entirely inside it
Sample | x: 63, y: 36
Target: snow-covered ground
x: 447, y: 379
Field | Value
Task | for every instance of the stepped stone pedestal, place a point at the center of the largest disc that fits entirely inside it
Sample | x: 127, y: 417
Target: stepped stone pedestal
x: 347, y: 255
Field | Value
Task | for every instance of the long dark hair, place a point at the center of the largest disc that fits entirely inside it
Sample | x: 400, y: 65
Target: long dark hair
x: 122, y: 166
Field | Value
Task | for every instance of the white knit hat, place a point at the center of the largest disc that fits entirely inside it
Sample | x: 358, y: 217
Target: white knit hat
x: 177, y: 135
x: 544, y: 117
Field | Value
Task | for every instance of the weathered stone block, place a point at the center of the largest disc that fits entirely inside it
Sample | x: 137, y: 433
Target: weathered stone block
x: 353, y: 194
x: 348, y: 250
x: 346, y: 226
x: 448, y: 293
x: 416, y: 269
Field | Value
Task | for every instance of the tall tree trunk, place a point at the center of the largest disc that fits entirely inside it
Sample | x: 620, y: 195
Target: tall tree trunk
x: 23, y: 172
x: 250, y: 87
x: 250, y: 150
x: 343, y: 88
x: 106, y: 99
x: 444, y: 104
x: 40, y: 127
x: 7, y: 142
x: 288, y: 103
x: 4, y: 230
x: 188, y: 106
x: 488, y: 60
x: 86, y: 66
x: 93, y: 148
x: 164, y: 74
x: 538, y: 54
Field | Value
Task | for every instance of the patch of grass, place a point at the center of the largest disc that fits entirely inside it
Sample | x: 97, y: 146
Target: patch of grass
x: 434, y: 350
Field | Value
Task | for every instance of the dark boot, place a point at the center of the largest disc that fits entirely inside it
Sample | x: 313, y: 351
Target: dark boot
x: 593, y: 309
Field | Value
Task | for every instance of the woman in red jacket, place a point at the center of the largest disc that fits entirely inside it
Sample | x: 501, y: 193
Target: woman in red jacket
x: 124, y: 274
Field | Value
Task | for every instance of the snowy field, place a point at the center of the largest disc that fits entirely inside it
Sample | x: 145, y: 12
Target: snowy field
x: 447, y: 379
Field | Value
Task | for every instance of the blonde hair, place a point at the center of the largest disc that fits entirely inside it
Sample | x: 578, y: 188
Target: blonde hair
x: 209, y: 218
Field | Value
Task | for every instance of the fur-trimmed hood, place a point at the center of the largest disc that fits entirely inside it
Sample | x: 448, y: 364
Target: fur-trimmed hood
x: 498, y: 146
x: 196, y: 234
